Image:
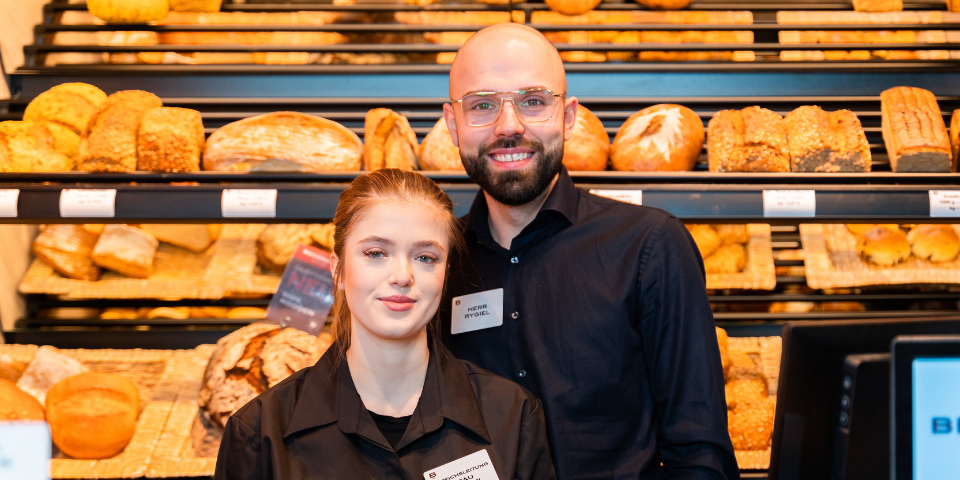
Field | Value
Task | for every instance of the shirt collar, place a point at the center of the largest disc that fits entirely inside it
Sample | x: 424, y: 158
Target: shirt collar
x: 562, y: 200
x: 329, y: 396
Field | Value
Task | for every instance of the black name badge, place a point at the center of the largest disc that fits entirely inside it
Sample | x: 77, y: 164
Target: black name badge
x: 305, y: 296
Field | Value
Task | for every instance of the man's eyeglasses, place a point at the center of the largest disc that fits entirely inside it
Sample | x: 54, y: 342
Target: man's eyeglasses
x: 532, y: 105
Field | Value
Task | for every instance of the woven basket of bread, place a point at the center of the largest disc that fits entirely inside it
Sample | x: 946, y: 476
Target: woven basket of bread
x: 832, y: 261
x: 765, y: 351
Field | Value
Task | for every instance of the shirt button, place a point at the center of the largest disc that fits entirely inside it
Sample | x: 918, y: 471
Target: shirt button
x: 515, y: 315
x: 514, y: 260
x: 522, y: 373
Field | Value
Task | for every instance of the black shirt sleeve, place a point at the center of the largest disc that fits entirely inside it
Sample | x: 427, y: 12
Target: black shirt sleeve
x: 534, y: 461
x: 240, y: 456
x: 683, y: 359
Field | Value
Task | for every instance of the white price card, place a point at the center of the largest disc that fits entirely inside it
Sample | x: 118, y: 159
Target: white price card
x: 88, y: 202
x: 789, y: 203
x: 8, y: 202
x: 25, y: 450
x: 249, y: 203
x: 628, y: 196
x: 945, y: 203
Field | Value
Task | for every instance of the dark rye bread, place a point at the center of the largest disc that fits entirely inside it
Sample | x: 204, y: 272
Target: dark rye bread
x: 826, y: 142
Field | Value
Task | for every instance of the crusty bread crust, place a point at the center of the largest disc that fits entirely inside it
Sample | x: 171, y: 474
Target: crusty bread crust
x: 664, y: 137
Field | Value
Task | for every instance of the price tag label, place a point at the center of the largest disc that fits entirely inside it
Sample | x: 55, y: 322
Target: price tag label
x: 789, y: 203
x: 945, y: 203
x: 249, y: 203
x: 87, y: 203
x: 8, y: 202
x: 25, y: 450
x: 628, y: 196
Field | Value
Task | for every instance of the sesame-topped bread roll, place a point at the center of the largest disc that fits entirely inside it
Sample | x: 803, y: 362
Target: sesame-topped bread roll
x: 170, y: 140
x: 437, y: 151
x: 388, y: 141
x: 69, y: 104
x: 110, y: 142
x: 750, y: 140
x: 665, y: 137
x: 914, y: 132
x: 589, y: 145
x: 283, y: 141
x: 826, y: 142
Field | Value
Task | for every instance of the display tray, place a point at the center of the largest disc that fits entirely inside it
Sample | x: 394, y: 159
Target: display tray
x: 759, y: 274
x: 832, y: 261
x: 155, y: 373
x: 228, y: 268
x: 766, y: 352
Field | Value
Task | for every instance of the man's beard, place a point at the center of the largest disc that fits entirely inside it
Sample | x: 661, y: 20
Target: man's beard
x: 514, y: 187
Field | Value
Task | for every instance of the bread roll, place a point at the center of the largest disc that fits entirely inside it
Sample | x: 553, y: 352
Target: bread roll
x: 15, y: 404
x: 126, y: 250
x: 68, y: 249
x: 277, y: 242
x: 47, y: 367
x: 934, y: 243
x: 706, y: 239
x: 662, y: 137
x: 118, y: 12
x: 247, y: 313
x: 388, y: 141
x: 884, y: 247
x: 70, y: 104
x: 724, y: 343
x: 195, y: 5
x: 194, y: 237
x: 665, y: 4
x: 283, y: 141
x: 110, y: 142
x: 859, y: 229
x: 913, y: 131
x: 750, y: 140
x: 170, y: 140
x: 572, y: 7
x: 877, y: 5
x: 251, y: 360
x: 729, y: 258
x: 33, y: 147
x: 178, y: 313
x: 11, y: 369
x: 589, y: 145
x: 437, y: 151
x: 826, y: 142
x: 93, y: 415
x: 732, y: 233
x: 136, y: 38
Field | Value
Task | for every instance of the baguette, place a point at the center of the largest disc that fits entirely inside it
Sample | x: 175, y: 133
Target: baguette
x: 914, y: 132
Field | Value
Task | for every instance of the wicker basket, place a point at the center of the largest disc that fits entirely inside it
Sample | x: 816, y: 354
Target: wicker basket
x: 766, y: 351
x: 759, y: 273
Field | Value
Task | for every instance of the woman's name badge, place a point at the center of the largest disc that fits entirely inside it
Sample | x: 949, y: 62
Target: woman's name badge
x: 476, y: 466
x: 477, y: 311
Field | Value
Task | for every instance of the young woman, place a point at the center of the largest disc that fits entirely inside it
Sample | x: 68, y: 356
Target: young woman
x: 388, y: 400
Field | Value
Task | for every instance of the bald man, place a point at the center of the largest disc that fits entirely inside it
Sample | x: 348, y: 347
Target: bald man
x: 598, y: 307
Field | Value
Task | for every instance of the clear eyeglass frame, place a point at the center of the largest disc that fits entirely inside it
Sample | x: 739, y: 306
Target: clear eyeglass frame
x: 500, y: 96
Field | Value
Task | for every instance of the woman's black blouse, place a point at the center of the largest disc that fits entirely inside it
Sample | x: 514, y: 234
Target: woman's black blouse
x: 313, y: 425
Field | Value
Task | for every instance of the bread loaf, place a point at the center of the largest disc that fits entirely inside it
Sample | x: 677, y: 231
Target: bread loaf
x: 126, y: 250
x: 251, y: 360
x: 572, y: 7
x: 662, y: 137
x: 36, y: 147
x: 877, y: 5
x: 884, y: 247
x: 195, y: 5
x: 15, y: 404
x: 437, y: 151
x: 68, y: 249
x: 826, y: 142
x: 589, y: 144
x: 953, y: 5
x: 800, y: 17
x: 92, y: 415
x: 665, y: 4
x: 128, y: 11
x: 934, y: 243
x: 277, y: 242
x: 109, y: 143
x: 47, y: 367
x: 750, y: 140
x: 283, y: 141
x: 388, y: 141
x: 194, y: 237
x: 136, y: 38
x: 859, y: 229
x: 955, y: 137
x: 914, y: 132
x: 170, y: 140
x: 70, y: 104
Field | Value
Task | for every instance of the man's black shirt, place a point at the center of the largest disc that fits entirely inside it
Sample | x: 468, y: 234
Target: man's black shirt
x: 606, y: 320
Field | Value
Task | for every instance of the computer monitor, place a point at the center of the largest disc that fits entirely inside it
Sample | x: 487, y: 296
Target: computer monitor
x: 926, y: 407
x: 811, y: 385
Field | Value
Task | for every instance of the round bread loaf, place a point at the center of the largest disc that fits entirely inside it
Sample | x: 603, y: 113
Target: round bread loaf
x: 437, y: 151
x: 120, y: 12
x: 706, y: 238
x: 70, y: 104
x: 935, y: 243
x: 110, y: 142
x: 15, y: 404
x: 589, y: 145
x: 883, y: 246
x: 283, y: 141
x: 572, y: 7
x: 251, y: 360
x: 665, y: 4
x: 861, y: 228
x: 92, y: 414
x: 662, y: 137
x: 170, y: 140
